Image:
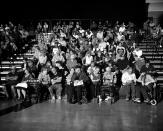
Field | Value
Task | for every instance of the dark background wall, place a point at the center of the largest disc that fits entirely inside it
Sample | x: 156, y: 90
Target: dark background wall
x: 122, y: 10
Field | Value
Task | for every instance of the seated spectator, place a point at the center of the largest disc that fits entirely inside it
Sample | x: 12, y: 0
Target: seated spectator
x: 22, y: 87
x: 56, y: 81
x: 147, y: 84
x: 102, y: 45
x: 63, y: 44
x: 44, y: 80
x: 31, y: 67
x: 45, y: 27
x: 79, y: 80
x: 57, y: 57
x: 12, y: 80
x: 147, y: 68
x: 99, y: 58
x: 64, y: 72
x: 42, y: 60
x: 137, y: 52
x: 120, y: 52
x: 71, y: 62
x: 100, y: 34
x: 128, y: 81
x: 91, y: 68
x: 87, y: 61
x: 93, y: 26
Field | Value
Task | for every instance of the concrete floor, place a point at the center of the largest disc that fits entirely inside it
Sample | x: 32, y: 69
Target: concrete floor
x: 62, y: 116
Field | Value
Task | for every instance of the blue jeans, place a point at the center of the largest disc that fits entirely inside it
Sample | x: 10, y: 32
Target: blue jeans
x: 130, y: 90
x: 57, y: 88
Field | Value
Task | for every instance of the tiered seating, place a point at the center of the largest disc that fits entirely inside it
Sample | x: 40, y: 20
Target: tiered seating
x: 7, y: 64
x: 149, y: 51
x: 155, y: 54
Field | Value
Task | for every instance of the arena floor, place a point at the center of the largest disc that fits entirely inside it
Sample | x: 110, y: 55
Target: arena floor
x: 61, y: 116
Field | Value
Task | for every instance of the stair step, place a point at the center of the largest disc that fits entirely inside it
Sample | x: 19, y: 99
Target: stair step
x: 15, y: 62
x: 155, y: 57
x: 150, y: 49
x: 153, y: 53
x: 4, y: 72
x: 156, y: 61
x: 9, y: 67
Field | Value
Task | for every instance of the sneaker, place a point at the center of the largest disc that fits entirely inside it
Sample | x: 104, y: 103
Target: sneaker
x: 99, y: 99
x: 108, y: 98
x: 127, y: 99
x: 59, y: 97
x: 53, y: 98
x: 137, y: 100
x: 79, y: 103
x: 146, y: 101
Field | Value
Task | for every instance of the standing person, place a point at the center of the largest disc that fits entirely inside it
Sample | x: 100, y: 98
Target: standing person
x: 109, y: 80
x: 128, y: 81
x: 44, y: 80
x: 70, y: 90
x: 95, y: 78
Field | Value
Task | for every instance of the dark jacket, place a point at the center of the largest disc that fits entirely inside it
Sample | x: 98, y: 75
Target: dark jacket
x: 80, y: 76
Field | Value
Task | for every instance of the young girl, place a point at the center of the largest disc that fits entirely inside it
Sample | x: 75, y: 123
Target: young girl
x: 109, y: 80
x: 95, y: 77
x: 128, y: 81
x: 44, y: 80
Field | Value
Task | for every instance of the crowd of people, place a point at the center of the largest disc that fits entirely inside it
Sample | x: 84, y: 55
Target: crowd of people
x: 13, y: 39
x: 69, y: 62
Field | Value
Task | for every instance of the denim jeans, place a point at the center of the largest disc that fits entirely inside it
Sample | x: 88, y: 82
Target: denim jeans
x: 130, y: 90
x: 57, y: 88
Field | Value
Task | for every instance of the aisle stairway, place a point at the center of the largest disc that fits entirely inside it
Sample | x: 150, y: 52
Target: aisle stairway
x: 6, y: 65
x: 155, y: 54
x: 18, y: 62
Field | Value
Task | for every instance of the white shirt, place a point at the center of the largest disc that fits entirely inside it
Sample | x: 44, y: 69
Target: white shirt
x: 100, y: 35
x: 122, y: 29
x: 42, y: 59
x: 63, y: 34
x: 89, y: 35
x: 138, y: 53
x: 102, y: 46
x: 126, y: 77
x: 62, y: 42
x: 119, y: 37
x: 88, y: 60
